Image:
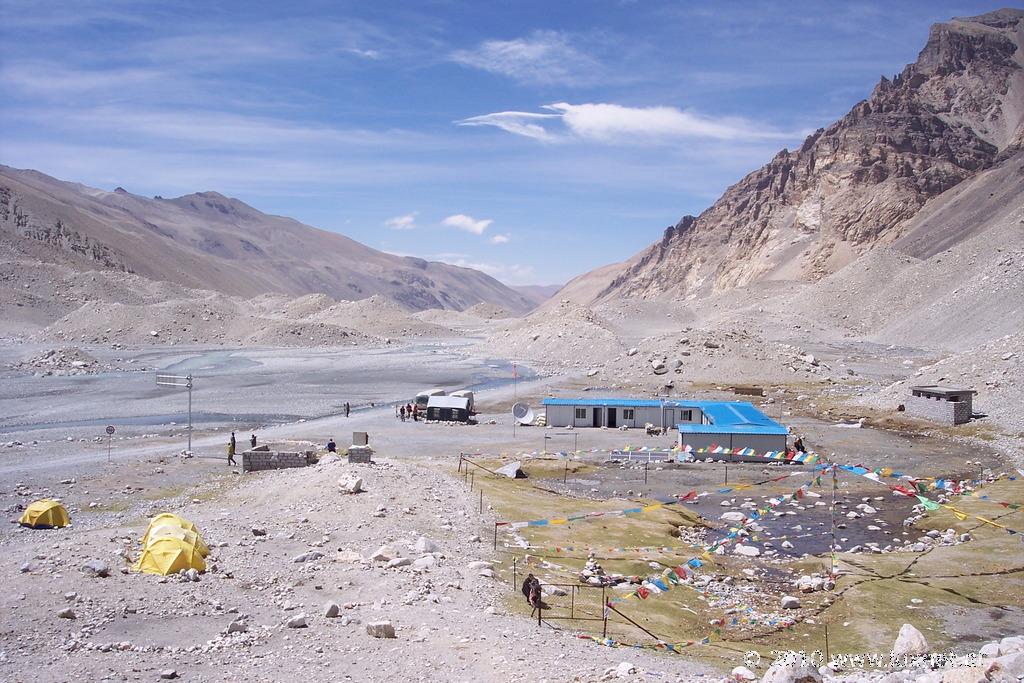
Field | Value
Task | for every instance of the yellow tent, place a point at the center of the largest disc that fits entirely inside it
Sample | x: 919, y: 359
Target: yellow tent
x: 190, y: 537
x: 168, y: 519
x: 169, y: 555
x: 45, y: 514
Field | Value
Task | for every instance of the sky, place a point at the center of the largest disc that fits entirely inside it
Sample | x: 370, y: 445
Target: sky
x: 532, y: 140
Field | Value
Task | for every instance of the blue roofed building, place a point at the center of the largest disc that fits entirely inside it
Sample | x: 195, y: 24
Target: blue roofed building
x: 731, y: 424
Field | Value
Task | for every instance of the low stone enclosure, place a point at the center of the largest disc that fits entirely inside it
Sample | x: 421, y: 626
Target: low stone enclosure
x: 262, y: 458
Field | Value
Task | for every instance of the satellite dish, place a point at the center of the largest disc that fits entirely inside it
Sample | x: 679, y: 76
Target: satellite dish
x: 522, y: 413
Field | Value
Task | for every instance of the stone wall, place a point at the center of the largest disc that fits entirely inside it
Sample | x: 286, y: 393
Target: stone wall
x: 945, y: 412
x: 254, y: 461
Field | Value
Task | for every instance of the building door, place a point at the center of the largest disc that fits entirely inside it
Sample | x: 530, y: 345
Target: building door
x: 670, y: 419
x: 597, y: 417
x: 611, y: 417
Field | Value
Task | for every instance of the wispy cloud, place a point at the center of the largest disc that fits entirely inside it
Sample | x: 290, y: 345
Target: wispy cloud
x: 404, y: 222
x: 500, y: 239
x: 543, y: 58
x: 614, y: 123
x: 527, y: 124
x: 467, y: 223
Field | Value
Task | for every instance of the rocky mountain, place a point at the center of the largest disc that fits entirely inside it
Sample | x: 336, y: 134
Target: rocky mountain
x: 951, y: 116
x: 538, y: 294
x: 211, y: 242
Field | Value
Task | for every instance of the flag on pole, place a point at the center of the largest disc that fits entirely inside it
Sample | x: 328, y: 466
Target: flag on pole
x: 515, y: 372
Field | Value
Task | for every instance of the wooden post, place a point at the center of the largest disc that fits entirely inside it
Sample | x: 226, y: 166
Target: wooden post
x: 540, y: 608
x: 515, y: 579
x: 604, y: 613
x: 495, y: 535
x: 472, y: 477
x: 726, y: 473
x: 481, y: 501
x: 565, y: 475
x: 827, y: 657
x: 572, y: 603
x: 645, y: 470
x: 460, y: 463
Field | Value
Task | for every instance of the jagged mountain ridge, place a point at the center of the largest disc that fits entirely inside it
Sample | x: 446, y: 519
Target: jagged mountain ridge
x: 953, y: 113
x: 212, y: 242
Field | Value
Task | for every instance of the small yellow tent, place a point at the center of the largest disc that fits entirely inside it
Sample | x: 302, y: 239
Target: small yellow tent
x: 190, y: 537
x: 45, y: 514
x: 169, y: 555
x: 168, y: 519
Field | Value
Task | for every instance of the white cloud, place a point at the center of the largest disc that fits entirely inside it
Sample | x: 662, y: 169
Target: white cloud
x: 500, y: 239
x: 543, y: 57
x: 467, y: 223
x: 509, y: 273
x: 614, y: 123
x: 405, y: 222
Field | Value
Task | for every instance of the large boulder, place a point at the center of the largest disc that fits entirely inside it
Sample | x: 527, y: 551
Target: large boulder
x: 800, y: 671
x: 513, y: 470
x: 1007, y: 668
x: 910, y: 642
x: 351, y: 484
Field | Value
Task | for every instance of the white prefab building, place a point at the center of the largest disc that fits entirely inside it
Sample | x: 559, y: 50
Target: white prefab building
x: 616, y: 412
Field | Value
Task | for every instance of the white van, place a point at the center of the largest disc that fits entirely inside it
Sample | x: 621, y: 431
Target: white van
x: 424, y: 396
x: 466, y: 394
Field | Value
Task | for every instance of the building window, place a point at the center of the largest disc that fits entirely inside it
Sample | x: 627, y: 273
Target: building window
x: 581, y: 413
x: 627, y: 414
x: 686, y: 416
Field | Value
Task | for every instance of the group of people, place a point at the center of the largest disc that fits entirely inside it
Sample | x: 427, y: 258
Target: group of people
x: 409, y: 411
x: 232, y: 445
x: 532, y: 591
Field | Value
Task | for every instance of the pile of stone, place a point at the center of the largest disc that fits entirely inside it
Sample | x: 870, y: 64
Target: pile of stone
x: 593, y: 574
x: 65, y: 361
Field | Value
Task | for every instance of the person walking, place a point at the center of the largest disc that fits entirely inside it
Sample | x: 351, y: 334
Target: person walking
x: 348, y: 408
x: 231, y: 450
x: 401, y: 412
x: 252, y: 441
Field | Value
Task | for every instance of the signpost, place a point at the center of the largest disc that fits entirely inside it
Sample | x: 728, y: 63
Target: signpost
x: 179, y: 382
x: 110, y: 433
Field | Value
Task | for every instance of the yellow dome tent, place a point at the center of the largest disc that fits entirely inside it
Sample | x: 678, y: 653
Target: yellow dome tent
x: 169, y: 555
x: 45, y: 514
x: 168, y: 519
x: 190, y: 537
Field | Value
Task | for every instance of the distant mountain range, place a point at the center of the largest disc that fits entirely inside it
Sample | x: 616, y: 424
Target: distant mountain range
x: 886, y: 174
x: 211, y: 242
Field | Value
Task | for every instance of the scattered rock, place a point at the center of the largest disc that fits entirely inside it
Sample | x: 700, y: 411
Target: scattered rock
x: 96, y: 569
x: 331, y: 610
x: 381, y: 629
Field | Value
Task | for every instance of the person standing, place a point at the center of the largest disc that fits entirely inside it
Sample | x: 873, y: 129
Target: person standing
x: 348, y: 408
x: 252, y: 441
x: 331, y: 446
x: 401, y: 413
x: 231, y: 450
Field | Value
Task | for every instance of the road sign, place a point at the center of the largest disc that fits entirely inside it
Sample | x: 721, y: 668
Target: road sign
x: 182, y: 381
x: 179, y: 382
x: 110, y: 429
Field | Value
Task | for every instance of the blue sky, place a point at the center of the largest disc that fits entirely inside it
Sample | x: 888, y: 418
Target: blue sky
x: 534, y: 140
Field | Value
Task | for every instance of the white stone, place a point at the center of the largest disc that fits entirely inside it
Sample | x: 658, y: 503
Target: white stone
x: 625, y: 670
x: 424, y: 545
x: 398, y: 562
x: 298, y: 621
x: 331, y: 609
x: 746, y: 550
x: 742, y: 673
x: 385, y: 553
x: 308, y: 556
x: 910, y: 642
x: 791, y: 672
x: 790, y: 602
x: 350, y: 485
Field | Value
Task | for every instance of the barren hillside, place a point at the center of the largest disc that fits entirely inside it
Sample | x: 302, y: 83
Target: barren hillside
x: 209, y: 241
x: 859, y: 183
